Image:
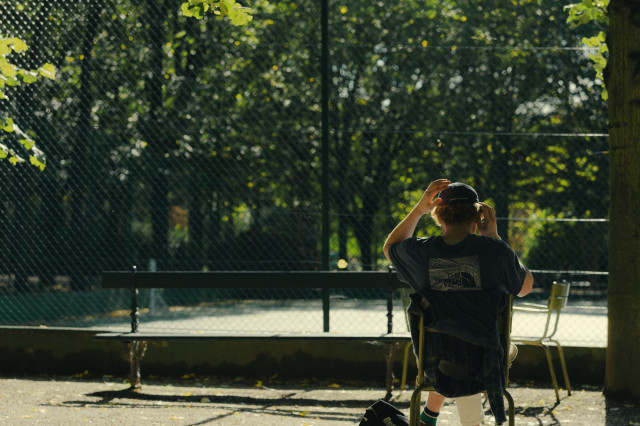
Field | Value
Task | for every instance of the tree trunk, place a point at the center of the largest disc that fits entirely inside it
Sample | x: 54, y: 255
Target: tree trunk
x: 623, y: 84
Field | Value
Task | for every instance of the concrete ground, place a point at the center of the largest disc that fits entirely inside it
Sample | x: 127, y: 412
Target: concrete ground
x: 268, y: 401
x: 581, y: 324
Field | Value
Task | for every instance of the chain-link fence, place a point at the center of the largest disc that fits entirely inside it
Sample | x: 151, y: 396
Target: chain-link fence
x: 178, y: 144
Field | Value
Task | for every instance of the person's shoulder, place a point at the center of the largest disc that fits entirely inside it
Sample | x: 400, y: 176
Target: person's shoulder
x: 425, y: 240
x: 491, y: 243
x: 415, y: 243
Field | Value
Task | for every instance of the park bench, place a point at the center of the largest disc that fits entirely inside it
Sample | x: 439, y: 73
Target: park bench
x: 322, y: 280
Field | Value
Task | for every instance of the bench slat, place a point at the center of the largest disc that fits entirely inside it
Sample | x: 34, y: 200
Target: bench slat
x: 392, y: 337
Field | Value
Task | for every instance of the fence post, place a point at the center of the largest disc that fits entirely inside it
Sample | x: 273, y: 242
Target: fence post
x: 134, y: 301
x: 324, y: 18
x: 390, y: 290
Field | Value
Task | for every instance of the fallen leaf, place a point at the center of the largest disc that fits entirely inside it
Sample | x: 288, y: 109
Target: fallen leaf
x: 258, y: 384
x: 334, y: 385
x: 304, y: 413
x: 186, y: 394
x: 205, y: 399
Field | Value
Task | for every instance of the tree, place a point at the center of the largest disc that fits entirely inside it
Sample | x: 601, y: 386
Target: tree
x: 622, y: 78
x: 621, y: 75
x: 473, y: 76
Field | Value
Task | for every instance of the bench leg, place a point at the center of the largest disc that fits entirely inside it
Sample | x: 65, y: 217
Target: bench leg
x: 137, y: 348
x: 390, y: 349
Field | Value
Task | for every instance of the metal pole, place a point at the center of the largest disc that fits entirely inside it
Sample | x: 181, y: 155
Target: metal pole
x: 134, y: 302
x: 324, y: 28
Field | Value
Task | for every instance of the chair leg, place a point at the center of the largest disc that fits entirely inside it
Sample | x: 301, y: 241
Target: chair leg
x: 547, y: 352
x: 564, y: 367
x: 512, y: 409
x: 414, y: 407
x: 405, y: 366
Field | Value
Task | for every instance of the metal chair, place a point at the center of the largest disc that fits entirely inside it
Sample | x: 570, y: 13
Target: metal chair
x: 404, y: 294
x: 557, y: 302
x: 422, y: 384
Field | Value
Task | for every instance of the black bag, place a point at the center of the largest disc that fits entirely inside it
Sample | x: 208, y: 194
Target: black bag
x: 381, y: 413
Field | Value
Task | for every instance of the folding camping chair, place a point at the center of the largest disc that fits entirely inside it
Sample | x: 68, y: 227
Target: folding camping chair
x: 422, y: 384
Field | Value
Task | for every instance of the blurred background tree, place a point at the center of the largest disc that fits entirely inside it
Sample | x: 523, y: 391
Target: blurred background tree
x: 196, y: 142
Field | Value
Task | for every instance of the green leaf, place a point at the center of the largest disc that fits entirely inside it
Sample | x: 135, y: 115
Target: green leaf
x: 12, y: 82
x: 7, y: 126
x: 234, y: 11
x: 238, y: 15
x: 4, y: 47
x: 48, y: 71
x: 29, y: 77
x: 27, y: 143
x: 18, y: 45
x: 241, y: 19
x: 181, y: 34
x: 6, y: 68
x: 35, y: 162
x: 193, y: 11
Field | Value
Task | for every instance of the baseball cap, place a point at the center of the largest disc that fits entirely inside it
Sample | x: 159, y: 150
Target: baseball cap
x: 458, y: 192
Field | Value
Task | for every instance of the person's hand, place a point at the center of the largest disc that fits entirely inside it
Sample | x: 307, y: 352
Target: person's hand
x: 427, y: 202
x: 486, y: 221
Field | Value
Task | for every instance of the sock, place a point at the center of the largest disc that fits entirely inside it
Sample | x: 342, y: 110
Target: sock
x: 429, y: 417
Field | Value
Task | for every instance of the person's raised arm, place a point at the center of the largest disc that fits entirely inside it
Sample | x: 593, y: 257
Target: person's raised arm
x: 488, y: 227
x: 407, y: 226
x: 527, y: 286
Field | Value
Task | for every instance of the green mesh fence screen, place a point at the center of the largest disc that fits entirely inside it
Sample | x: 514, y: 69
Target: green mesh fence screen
x: 180, y: 144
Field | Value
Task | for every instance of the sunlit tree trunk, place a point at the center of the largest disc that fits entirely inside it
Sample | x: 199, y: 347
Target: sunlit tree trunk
x: 623, y: 84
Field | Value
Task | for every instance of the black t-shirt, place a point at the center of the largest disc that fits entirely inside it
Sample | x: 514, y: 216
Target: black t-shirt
x: 464, y: 283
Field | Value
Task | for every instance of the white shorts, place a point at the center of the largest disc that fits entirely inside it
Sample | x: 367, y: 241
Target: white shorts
x: 470, y: 410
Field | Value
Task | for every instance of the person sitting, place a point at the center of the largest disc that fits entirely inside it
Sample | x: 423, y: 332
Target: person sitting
x: 463, y: 275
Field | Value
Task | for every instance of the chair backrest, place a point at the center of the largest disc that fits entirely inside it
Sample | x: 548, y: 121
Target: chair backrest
x: 504, y: 328
x: 559, y: 296
x: 406, y: 302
